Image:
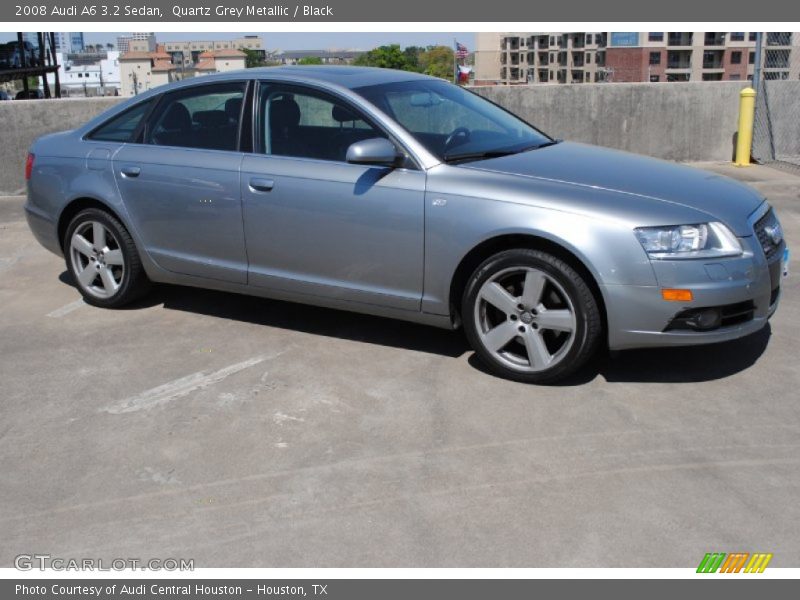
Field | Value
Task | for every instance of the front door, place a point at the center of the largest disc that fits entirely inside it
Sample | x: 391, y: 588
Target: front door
x: 317, y: 225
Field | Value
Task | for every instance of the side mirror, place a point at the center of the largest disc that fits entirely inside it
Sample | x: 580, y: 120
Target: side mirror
x: 374, y: 151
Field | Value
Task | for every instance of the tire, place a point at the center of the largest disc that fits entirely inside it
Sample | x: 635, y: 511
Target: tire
x: 96, y: 242
x: 524, y: 303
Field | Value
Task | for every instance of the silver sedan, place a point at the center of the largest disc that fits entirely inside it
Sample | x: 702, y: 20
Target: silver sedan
x: 400, y: 195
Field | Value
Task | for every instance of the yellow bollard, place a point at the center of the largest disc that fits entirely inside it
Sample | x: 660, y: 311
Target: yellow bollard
x: 744, y: 140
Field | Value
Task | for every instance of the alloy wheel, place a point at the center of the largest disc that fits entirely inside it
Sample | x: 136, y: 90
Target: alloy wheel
x: 97, y: 259
x: 525, y: 318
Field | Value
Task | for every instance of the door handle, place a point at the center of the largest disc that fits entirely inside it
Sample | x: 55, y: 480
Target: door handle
x: 259, y: 184
x: 130, y: 171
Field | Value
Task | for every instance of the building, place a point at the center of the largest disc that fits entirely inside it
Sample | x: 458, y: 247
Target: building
x: 65, y: 41
x: 137, y: 42
x: 680, y: 56
x: 219, y: 61
x: 578, y: 57
x: 189, y: 52
x: 88, y: 74
x: 141, y: 71
x: 328, y: 57
x: 552, y: 57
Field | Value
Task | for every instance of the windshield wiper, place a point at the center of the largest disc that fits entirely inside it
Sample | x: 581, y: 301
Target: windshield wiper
x: 543, y: 145
x: 449, y: 158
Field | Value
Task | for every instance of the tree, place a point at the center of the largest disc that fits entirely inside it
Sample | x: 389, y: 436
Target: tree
x: 386, y: 57
x: 109, y: 46
x: 437, y: 61
x: 310, y: 60
x: 252, y: 58
x: 412, y: 57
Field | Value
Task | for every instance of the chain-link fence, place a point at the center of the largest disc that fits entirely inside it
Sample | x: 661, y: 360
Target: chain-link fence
x: 776, y: 130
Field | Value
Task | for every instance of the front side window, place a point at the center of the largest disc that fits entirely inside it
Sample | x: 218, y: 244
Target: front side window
x: 122, y: 127
x: 452, y: 123
x: 304, y: 123
x: 205, y: 117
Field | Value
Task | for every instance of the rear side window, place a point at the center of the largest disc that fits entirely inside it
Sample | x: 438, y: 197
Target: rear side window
x: 122, y: 127
x: 205, y: 117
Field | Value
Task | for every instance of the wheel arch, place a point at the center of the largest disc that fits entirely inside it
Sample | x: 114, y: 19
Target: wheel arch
x: 510, y: 241
x: 73, y: 207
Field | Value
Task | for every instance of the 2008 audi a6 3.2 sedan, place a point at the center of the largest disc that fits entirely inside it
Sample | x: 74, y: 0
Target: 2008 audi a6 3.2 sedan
x: 401, y: 195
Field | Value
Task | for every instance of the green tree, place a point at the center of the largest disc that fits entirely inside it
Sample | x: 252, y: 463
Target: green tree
x: 310, y: 60
x: 386, y: 57
x: 252, y: 58
x: 412, y: 54
x: 437, y: 61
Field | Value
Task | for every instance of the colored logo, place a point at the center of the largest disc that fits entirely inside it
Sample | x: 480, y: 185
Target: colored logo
x: 737, y: 562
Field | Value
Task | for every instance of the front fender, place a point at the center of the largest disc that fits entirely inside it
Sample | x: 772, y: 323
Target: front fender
x: 455, y: 224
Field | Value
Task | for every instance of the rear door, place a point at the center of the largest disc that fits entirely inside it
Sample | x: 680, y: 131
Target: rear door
x: 181, y: 185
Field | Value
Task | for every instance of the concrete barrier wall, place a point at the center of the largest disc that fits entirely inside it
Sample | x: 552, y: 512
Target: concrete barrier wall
x: 676, y: 121
x: 22, y: 121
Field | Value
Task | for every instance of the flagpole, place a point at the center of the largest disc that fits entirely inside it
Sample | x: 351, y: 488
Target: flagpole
x: 455, y: 61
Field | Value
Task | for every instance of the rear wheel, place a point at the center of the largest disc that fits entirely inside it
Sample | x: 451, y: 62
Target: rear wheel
x: 103, y: 261
x: 530, y: 316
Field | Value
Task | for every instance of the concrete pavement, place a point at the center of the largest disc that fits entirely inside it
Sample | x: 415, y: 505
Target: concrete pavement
x: 244, y: 432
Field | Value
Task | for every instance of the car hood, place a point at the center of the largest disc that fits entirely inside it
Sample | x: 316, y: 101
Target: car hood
x: 722, y: 198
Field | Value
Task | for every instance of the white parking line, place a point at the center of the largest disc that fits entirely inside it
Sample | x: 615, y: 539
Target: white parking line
x: 66, y: 309
x: 179, y: 387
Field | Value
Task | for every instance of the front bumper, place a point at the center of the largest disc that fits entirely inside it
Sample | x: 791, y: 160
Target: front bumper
x: 638, y: 317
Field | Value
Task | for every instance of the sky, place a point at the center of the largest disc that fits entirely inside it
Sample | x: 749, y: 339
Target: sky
x: 309, y: 41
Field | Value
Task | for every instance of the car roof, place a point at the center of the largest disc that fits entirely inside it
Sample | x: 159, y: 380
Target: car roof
x: 344, y: 76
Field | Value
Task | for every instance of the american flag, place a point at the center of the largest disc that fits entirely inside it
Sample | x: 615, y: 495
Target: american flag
x: 461, y: 51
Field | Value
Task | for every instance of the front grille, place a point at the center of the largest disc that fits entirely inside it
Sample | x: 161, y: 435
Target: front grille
x: 764, y: 228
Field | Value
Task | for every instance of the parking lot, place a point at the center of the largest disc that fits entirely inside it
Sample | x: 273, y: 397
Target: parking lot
x: 237, y: 431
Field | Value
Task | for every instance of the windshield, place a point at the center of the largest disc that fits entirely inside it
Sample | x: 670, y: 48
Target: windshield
x: 452, y: 123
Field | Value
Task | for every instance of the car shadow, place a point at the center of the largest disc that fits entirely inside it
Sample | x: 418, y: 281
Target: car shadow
x: 315, y: 320
x: 688, y: 364
x: 692, y: 364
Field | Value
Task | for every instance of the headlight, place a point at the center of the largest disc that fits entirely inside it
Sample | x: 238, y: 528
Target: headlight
x: 704, y: 240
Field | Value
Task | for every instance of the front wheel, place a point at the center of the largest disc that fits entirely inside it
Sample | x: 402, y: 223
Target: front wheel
x: 102, y: 258
x: 530, y: 316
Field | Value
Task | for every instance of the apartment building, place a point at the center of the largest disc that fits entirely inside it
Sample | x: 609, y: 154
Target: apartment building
x: 189, y: 52
x: 141, y: 71
x: 136, y: 42
x: 543, y: 57
x: 578, y: 57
